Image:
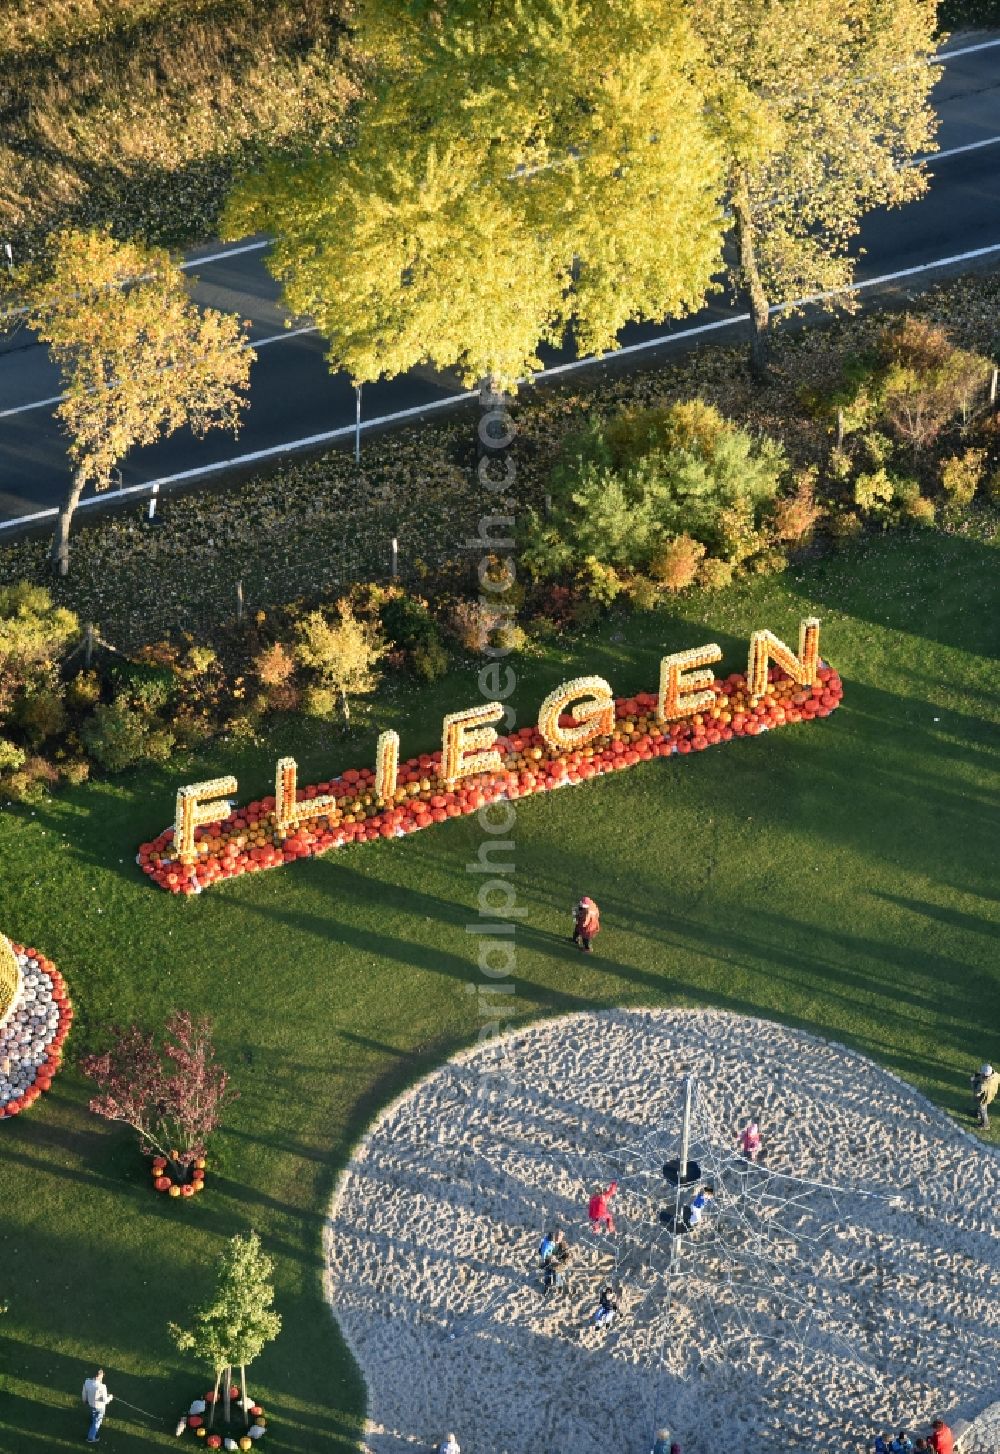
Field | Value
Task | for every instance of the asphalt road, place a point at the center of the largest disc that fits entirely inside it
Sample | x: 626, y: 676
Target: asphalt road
x: 294, y: 398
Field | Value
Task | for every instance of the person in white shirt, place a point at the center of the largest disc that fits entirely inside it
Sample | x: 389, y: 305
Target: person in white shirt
x: 95, y: 1395
x: 449, y: 1445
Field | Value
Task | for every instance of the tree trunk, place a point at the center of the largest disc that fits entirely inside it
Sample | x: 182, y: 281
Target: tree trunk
x: 215, y: 1401
x: 345, y: 707
x: 59, y: 555
x: 492, y: 405
x: 244, y: 1395
x: 760, y: 317
x: 225, y: 1397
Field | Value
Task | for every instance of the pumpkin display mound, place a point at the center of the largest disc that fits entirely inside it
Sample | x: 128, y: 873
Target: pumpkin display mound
x: 171, y: 1182
x: 35, y: 1016
x: 845, y: 1282
x: 206, y: 1420
x: 255, y: 837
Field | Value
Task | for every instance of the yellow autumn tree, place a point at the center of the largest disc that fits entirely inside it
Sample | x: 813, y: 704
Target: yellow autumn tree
x: 343, y: 657
x: 822, y: 107
x: 516, y: 171
x: 138, y: 358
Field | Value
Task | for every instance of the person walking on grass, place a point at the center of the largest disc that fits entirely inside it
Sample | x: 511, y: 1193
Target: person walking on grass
x: 586, y: 923
x: 985, y: 1087
x: 96, y: 1396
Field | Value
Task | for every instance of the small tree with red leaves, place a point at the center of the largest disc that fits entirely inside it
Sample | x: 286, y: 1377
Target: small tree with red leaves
x: 171, y: 1096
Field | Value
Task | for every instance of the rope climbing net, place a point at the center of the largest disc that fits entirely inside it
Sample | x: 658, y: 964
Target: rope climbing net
x: 778, y: 1273
x: 761, y: 1277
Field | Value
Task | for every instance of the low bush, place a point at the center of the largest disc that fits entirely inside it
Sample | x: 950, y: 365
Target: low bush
x: 118, y: 737
x: 676, y: 563
x: 624, y: 489
x: 960, y: 475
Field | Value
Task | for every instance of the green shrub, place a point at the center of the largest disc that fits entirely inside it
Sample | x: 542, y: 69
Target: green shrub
x: 429, y: 661
x: 319, y: 700
x: 117, y: 737
x: 40, y: 712
x: 34, y: 634
x: 643, y: 593
x: 714, y: 575
x: 626, y: 487
x: 200, y: 659
x: 960, y: 474
x: 874, y: 492
x: 600, y: 583
x: 408, y: 623
x: 147, y: 687
x: 878, y: 448
x: 31, y: 782
x: 737, y: 534
x: 769, y: 562
x: 840, y: 465
x: 75, y: 772
x: 83, y: 691
x: 918, y: 510
x: 11, y: 756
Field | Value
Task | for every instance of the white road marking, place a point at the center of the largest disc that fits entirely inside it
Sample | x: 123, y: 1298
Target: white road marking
x: 967, y: 50
x: 217, y: 257
x: 38, y: 404
x: 418, y: 411
x: 956, y: 151
x: 289, y: 333
x: 248, y: 343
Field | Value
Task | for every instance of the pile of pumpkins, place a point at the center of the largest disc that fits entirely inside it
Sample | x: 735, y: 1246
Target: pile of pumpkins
x: 171, y: 1185
x: 197, y: 1417
x: 249, y: 840
x: 33, y: 1032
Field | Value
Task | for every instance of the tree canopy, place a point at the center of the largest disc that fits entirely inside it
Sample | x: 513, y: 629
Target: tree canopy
x: 822, y: 107
x: 517, y: 171
x: 138, y: 358
x: 237, y: 1321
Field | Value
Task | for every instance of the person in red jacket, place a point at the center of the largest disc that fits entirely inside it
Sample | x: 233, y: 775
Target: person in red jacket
x: 587, y: 923
x: 942, y: 1440
x: 598, y: 1210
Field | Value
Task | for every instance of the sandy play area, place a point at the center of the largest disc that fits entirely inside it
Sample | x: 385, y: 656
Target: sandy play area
x: 850, y: 1283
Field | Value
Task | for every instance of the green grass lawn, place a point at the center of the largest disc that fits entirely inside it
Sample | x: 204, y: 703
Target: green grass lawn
x: 838, y: 876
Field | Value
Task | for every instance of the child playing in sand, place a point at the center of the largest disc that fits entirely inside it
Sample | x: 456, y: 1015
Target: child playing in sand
x: 607, y: 1309
x: 661, y: 1444
x: 942, y: 1440
x: 598, y: 1210
x: 902, y: 1444
x: 697, y: 1207
x: 750, y: 1141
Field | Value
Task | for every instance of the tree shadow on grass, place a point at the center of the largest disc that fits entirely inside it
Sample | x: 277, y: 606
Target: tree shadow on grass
x: 950, y: 597
x: 953, y: 918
